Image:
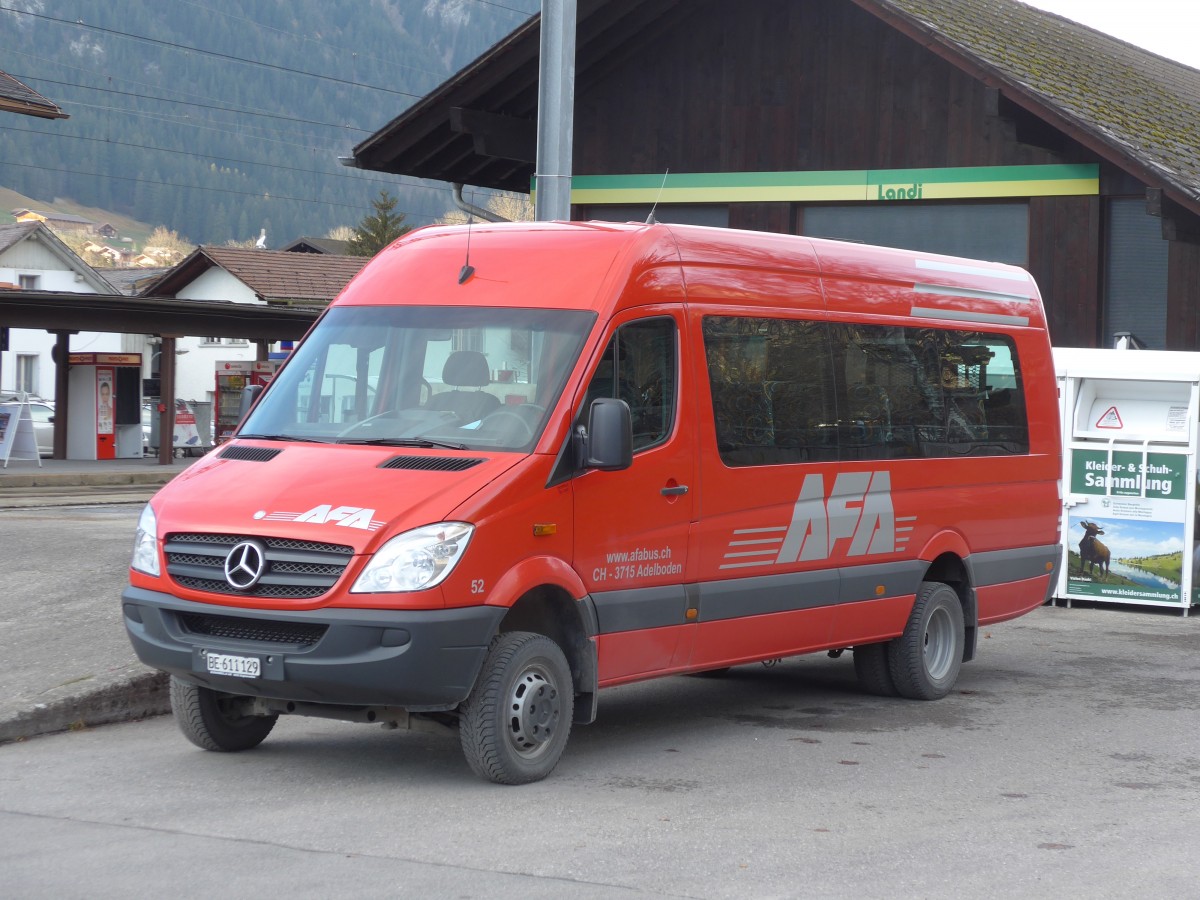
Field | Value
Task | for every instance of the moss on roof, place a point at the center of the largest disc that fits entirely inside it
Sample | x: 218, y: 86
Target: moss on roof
x: 1130, y: 98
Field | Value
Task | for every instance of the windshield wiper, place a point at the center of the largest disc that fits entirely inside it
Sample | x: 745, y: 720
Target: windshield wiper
x: 425, y: 443
x: 286, y: 437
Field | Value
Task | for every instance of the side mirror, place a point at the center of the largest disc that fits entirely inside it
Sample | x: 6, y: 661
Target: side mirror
x: 249, y: 395
x: 607, y: 443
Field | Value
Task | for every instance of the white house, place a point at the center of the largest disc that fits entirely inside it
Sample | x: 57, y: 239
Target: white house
x: 241, y: 275
x: 33, y: 259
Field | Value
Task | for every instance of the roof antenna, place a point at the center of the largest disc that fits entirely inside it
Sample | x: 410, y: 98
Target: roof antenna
x: 467, y: 270
x: 650, y: 220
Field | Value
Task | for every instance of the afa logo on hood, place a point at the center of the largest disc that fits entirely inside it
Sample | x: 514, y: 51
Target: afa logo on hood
x: 328, y: 514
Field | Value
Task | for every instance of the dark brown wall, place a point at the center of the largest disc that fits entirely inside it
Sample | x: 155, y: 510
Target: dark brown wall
x: 1183, y: 295
x: 785, y: 85
x: 1064, y: 259
x: 780, y: 85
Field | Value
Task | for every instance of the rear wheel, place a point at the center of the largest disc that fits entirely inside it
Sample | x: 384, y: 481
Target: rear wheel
x: 925, y: 660
x: 514, y: 724
x: 871, y: 667
x: 215, y: 721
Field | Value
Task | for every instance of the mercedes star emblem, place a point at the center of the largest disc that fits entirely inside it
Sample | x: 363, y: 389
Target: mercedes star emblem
x: 245, y: 565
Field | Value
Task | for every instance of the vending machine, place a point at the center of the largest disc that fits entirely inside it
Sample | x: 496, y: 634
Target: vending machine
x: 234, y: 376
x: 104, y: 406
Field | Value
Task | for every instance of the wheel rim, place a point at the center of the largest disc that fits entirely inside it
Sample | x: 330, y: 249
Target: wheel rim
x: 534, y: 710
x: 939, y: 644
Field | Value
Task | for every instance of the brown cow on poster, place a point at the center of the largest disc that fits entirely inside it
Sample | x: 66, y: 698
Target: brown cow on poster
x: 1093, y: 554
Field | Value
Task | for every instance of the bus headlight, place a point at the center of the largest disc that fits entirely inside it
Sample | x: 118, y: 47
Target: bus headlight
x: 415, y: 560
x: 145, y: 543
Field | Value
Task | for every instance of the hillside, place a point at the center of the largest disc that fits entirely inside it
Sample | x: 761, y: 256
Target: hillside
x: 132, y: 232
x: 218, y: 119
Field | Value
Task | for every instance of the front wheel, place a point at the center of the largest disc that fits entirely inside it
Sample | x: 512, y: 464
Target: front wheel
x: 924, y: 661
x: 214, y: 721
x: 514, y: 724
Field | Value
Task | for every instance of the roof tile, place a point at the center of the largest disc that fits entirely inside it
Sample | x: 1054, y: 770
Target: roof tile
x: 1143, y: 103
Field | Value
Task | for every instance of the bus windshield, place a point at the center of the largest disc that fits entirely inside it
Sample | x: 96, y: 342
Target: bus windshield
x: 472, y: 378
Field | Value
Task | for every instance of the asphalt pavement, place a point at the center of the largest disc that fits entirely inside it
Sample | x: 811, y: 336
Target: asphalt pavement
x: 100, y: 681
x: 41, y: 696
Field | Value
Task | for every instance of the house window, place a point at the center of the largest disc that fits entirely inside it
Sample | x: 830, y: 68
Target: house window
x: 28, y: 282
x: 27, y: 373
x: 210, y: 341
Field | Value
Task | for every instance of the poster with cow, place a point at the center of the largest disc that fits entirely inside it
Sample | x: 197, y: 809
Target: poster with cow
x: 1127, y: 527
x: 1125, y: 560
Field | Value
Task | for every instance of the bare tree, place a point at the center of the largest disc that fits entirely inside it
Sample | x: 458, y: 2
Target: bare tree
x: 508, y: 206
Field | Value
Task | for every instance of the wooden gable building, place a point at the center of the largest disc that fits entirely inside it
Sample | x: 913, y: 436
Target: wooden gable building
x: 983, y: 128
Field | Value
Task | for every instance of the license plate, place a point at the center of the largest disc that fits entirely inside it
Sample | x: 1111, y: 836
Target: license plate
x: 237, y: 666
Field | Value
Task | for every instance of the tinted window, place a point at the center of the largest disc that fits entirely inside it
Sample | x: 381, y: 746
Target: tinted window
x: 639, y: 367
x: 786, y: 391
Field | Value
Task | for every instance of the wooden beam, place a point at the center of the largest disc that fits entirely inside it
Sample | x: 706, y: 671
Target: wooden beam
x: 1178, y: 224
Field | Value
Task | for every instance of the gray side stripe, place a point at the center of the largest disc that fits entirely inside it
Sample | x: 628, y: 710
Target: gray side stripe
x: 926, y: 312
x: 1003, y: 566
x: 641, y: 608
x: 656, y: 607
x: 763, y: 594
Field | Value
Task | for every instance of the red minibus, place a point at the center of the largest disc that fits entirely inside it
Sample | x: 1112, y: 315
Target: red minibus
x: 513, y: 464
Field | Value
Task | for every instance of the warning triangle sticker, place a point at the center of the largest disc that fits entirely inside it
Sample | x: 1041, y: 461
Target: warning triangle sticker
x: 1110, y: 419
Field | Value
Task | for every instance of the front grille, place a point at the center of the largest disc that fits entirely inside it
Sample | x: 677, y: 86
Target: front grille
x: 295, y: 570
x: 258, y: 630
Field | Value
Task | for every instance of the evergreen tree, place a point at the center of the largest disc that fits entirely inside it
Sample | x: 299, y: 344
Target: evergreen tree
x: 376, y: 231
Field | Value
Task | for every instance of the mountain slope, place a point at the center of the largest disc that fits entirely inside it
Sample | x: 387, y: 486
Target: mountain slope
x: 218, y: 118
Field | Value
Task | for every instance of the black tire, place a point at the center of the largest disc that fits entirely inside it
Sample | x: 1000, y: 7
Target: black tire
x: 925, y: 660
x: 874, y: 674
x: 210, y: 720
x: 515, y: 723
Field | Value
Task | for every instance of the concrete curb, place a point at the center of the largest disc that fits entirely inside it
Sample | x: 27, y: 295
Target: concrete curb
x: 128, y: 697
x: 40, y: 499
x: 41, y: 478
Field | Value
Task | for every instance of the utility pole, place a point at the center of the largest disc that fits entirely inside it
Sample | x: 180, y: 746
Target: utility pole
x: 556, y: 110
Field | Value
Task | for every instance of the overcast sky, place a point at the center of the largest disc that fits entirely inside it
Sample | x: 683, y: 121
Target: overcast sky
x: 1167, y: 27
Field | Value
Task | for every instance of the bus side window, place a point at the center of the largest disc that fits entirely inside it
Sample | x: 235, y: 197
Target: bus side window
x: 639, y: 366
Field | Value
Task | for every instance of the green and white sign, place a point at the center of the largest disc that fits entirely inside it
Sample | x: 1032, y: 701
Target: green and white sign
x: 1159, y: 476
x: 866, y: 185
x: 1127, y: 542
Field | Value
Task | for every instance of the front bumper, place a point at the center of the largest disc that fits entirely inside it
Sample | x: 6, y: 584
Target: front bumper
x: 419, y: 660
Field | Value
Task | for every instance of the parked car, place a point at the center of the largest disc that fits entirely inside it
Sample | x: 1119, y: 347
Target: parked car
x: 43, y: 426
x: 42, y: 413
